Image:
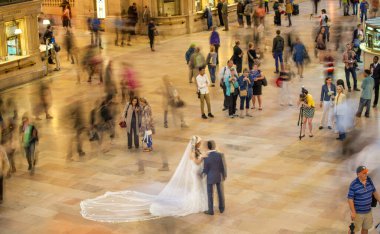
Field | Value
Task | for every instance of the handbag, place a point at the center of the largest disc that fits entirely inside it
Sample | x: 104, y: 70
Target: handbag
x: 243, y: 93
x: 123, y: 124
x: 264, y: 81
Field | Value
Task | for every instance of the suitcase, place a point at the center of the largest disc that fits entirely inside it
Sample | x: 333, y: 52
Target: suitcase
x: 296, y: 9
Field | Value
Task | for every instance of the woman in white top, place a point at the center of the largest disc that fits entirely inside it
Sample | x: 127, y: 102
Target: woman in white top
x: 340, y: 110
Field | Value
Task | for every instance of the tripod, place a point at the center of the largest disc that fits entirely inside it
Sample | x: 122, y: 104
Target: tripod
x: 300, y: 121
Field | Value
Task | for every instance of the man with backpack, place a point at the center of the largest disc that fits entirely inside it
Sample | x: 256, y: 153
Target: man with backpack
x: 277, y: 50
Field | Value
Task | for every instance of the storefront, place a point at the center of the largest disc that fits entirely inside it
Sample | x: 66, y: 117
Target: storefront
x: 371, y: 47
x: 20, y: 59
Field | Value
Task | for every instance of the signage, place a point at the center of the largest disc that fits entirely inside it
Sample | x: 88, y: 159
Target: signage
x: 101, y: 8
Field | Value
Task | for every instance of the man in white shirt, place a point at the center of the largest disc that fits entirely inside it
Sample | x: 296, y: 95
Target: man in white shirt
x: 202, y: 83
x: 224, y: 73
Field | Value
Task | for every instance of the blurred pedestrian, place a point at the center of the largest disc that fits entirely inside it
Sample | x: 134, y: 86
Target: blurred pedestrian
x: 357, y: 39
x: 29, y: 139
x: 147, y: 125
x: 131, y: 115
x: 320, y: 43
x: 328, y: 93
x: 118, y: 24
x: 171, y: 99
x: 52, y: 47
x: 72, y: 50
x: 355, y: 4
x: 237, y: 57
x: 266, y: 3
x: 245, y: 93
x: 364, y: 6
x: 152, y: 32
x: 366, y: 95
x: 308, y: 109
x: 109, y: 84
x: 45, y: 101
x: 257, y: 85
x: 107, y: 116
x: 4, y: 166
x: 299, y: 56
x: 129, y: 82
x: 132, y: 18
x: 289, y: 11
x: 374, y: 8
x: 316, y: 6
x: 359, y: 197
x: 240, y: 13
x: 203, y: 83
x: 232, y: 91
x: 346, y: 7
x: 93, y: 63
x: 215, y: 41
x: 95, y: 28
x: 9, y: 126
x: 211, y: 64
x: 277, y: 13
x: 349, y: 59
x: 285, y: 79
x: 277, y: 51
x: 219, y: 6
x: 375, y: 71
x: 340, y: 110
x: 248, y: 11
x: 207, y: 14
x: 146, y: 15
x: 252, y: 56
x: 75, y: 114
x: 225, y: 14
x: 197, y: 60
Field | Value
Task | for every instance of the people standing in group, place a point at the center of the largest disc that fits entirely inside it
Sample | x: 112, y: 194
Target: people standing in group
x: 29, y: 139
x: 4, y: 167
x: 357, y: 39
x: 215, y: 41
x: 366, y: 95
x: 289, y: 11
x: 197, y: 60
x: 349, y: 59
x: 360, y: 194
x: 188, y: 55
x: 132, y: 18
x: 258, y: 82
x: 308, y: 109
x: 225, y: 14
x: 277, y: 51
x: 211, y: 64
x: 251, y: 55
x: 66, y: 17
x: 171, y: 99
x: 248, y: 11
x: 131, y: 115
x: 152, y: 31
x: 363, y: 10
x: 340, y: 112
x: 219, y: 6
x: 245, y: 93
x: 147, y: 125
x: 203, y: 83
x: 328, y: 93
x: 237, y: 57
x: 232, y: 91
x: 240, y: 13
x: 375, y: 71
x: 299, y: 56
x: 224, y: 75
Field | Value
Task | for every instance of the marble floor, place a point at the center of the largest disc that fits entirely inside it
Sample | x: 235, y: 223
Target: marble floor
x: 275, y: 184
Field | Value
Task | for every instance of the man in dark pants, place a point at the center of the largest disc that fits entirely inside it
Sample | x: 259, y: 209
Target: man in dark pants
x: 220, y: 15
x: 215, y: 170
x: 316, y: 6
x: 225, y: 73
x: 375, y: 71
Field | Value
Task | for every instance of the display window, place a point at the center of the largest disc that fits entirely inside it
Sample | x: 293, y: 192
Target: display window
x: 169, y: 7
x: 200, y: 5
x: 15, y: 39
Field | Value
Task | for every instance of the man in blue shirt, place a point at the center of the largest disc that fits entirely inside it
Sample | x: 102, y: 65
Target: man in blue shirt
x: 363, y: 10
x: 360, y: 199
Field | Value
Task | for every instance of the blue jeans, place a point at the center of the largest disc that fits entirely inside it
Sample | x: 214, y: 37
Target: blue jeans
x: 363, y: 15
x: 355, y: 8
x: 212, y: 69
x: 351, y: 70
x: 277, y: 56
x: 245, y: 99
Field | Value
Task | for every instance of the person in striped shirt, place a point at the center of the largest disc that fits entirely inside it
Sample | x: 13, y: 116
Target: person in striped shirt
x: 360, y: 199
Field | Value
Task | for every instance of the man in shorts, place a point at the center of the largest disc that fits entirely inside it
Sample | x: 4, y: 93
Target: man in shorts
x: 360, y: 199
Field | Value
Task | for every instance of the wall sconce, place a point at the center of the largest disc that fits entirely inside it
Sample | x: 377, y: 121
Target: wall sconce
x: 18, y: 31
x: 46, y: 22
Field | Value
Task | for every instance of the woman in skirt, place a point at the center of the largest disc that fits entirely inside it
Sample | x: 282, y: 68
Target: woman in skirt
x: 308, y: 107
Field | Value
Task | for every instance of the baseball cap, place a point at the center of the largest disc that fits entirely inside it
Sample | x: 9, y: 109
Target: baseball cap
x: 361, y: 169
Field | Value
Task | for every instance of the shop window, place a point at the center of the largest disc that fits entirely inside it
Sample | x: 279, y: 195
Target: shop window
x: 169, y: 7
x: 15, y: 38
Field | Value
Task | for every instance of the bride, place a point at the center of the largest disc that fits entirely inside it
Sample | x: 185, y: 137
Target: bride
x: 184, y: 194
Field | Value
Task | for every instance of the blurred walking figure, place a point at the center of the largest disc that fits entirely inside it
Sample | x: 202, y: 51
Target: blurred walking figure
x: 266, y: 3
x: 374, y: 8
x: 131, y: 115
x: 219, y: 6
x: 45, y: 101
x: 248, y: 11
x: 9, y: 125
x: 364, y: 6
x: 93, y: 63
x: 340, y: 109
x: 107, y: 112
x: 240, y: 13
x: 132, y: 18
x: 147, y: 125
x: 146, y: 15
x: 328, y: 94
x: 211, y: 64
x: 225, y: 14
x: 215, y: 41
x: 129, y: 83
x: 285, y: 78
x: 208, y: 15
x: 172, y: 100
x: 299, y: 56
x: 320, y: 42
x: 237, y: 57
x: 4, y: 166
x: 29, y: 139
x: 96, y: 40
x: 152, y: 32
x: 53, y: 49
x: 94, y: 122
x: 252, y: 56
x: 188, y: 55
x: 72, y: 50
x: 289, y: 11
x: 75, y: 113
x: 109, y: 83
x: 118, y: 23
x: 197, y: 60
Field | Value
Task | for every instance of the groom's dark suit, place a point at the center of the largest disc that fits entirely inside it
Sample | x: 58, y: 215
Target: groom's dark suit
x: 214, y: 168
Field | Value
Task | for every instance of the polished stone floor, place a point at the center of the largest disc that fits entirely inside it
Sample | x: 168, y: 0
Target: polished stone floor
x: 276, y: 183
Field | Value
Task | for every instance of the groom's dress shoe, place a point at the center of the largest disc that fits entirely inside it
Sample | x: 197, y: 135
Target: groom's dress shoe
x: 208, y: 213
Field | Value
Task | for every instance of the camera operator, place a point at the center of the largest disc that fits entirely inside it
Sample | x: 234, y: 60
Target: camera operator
x: 308, y: 107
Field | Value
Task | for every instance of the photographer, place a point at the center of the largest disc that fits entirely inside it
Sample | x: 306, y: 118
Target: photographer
x: 308, y: 108
x: 328, y: 94
x: 232, y: 91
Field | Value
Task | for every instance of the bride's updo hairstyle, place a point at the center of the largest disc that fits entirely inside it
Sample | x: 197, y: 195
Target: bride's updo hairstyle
x: 194, y: 141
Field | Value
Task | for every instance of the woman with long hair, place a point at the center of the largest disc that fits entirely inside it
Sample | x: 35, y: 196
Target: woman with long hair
x: 132, y: 117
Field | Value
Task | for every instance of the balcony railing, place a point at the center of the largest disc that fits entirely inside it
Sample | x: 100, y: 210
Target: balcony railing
x: 7, y: 2
x: 56, y: 3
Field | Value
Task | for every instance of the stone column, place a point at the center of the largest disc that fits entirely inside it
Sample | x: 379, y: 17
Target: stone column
x: 3, y: 39
x: 31, y: 25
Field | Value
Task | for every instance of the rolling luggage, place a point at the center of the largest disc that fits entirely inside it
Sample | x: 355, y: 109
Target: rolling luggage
x: 296, y: 9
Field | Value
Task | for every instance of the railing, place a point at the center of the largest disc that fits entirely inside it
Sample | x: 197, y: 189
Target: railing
x: 56, y: 3
x: 7, y: 2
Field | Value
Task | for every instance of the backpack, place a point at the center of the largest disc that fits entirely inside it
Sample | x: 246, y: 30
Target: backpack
x: 188, y: 54
x: 279, y: 44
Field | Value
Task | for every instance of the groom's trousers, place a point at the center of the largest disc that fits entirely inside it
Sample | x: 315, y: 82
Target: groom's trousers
x: 210, y: 193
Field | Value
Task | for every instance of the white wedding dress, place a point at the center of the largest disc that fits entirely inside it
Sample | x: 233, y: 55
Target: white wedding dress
x: 184, y: 194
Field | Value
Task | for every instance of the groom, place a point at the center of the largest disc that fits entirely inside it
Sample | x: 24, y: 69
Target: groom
x: 214, y: 168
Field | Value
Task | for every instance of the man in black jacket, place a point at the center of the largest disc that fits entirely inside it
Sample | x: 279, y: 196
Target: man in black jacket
x: 215, y: 169
x: 220, y: 15
x: 375, y: 70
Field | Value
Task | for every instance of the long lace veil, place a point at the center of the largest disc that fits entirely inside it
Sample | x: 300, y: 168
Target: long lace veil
x: 129, y: 206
